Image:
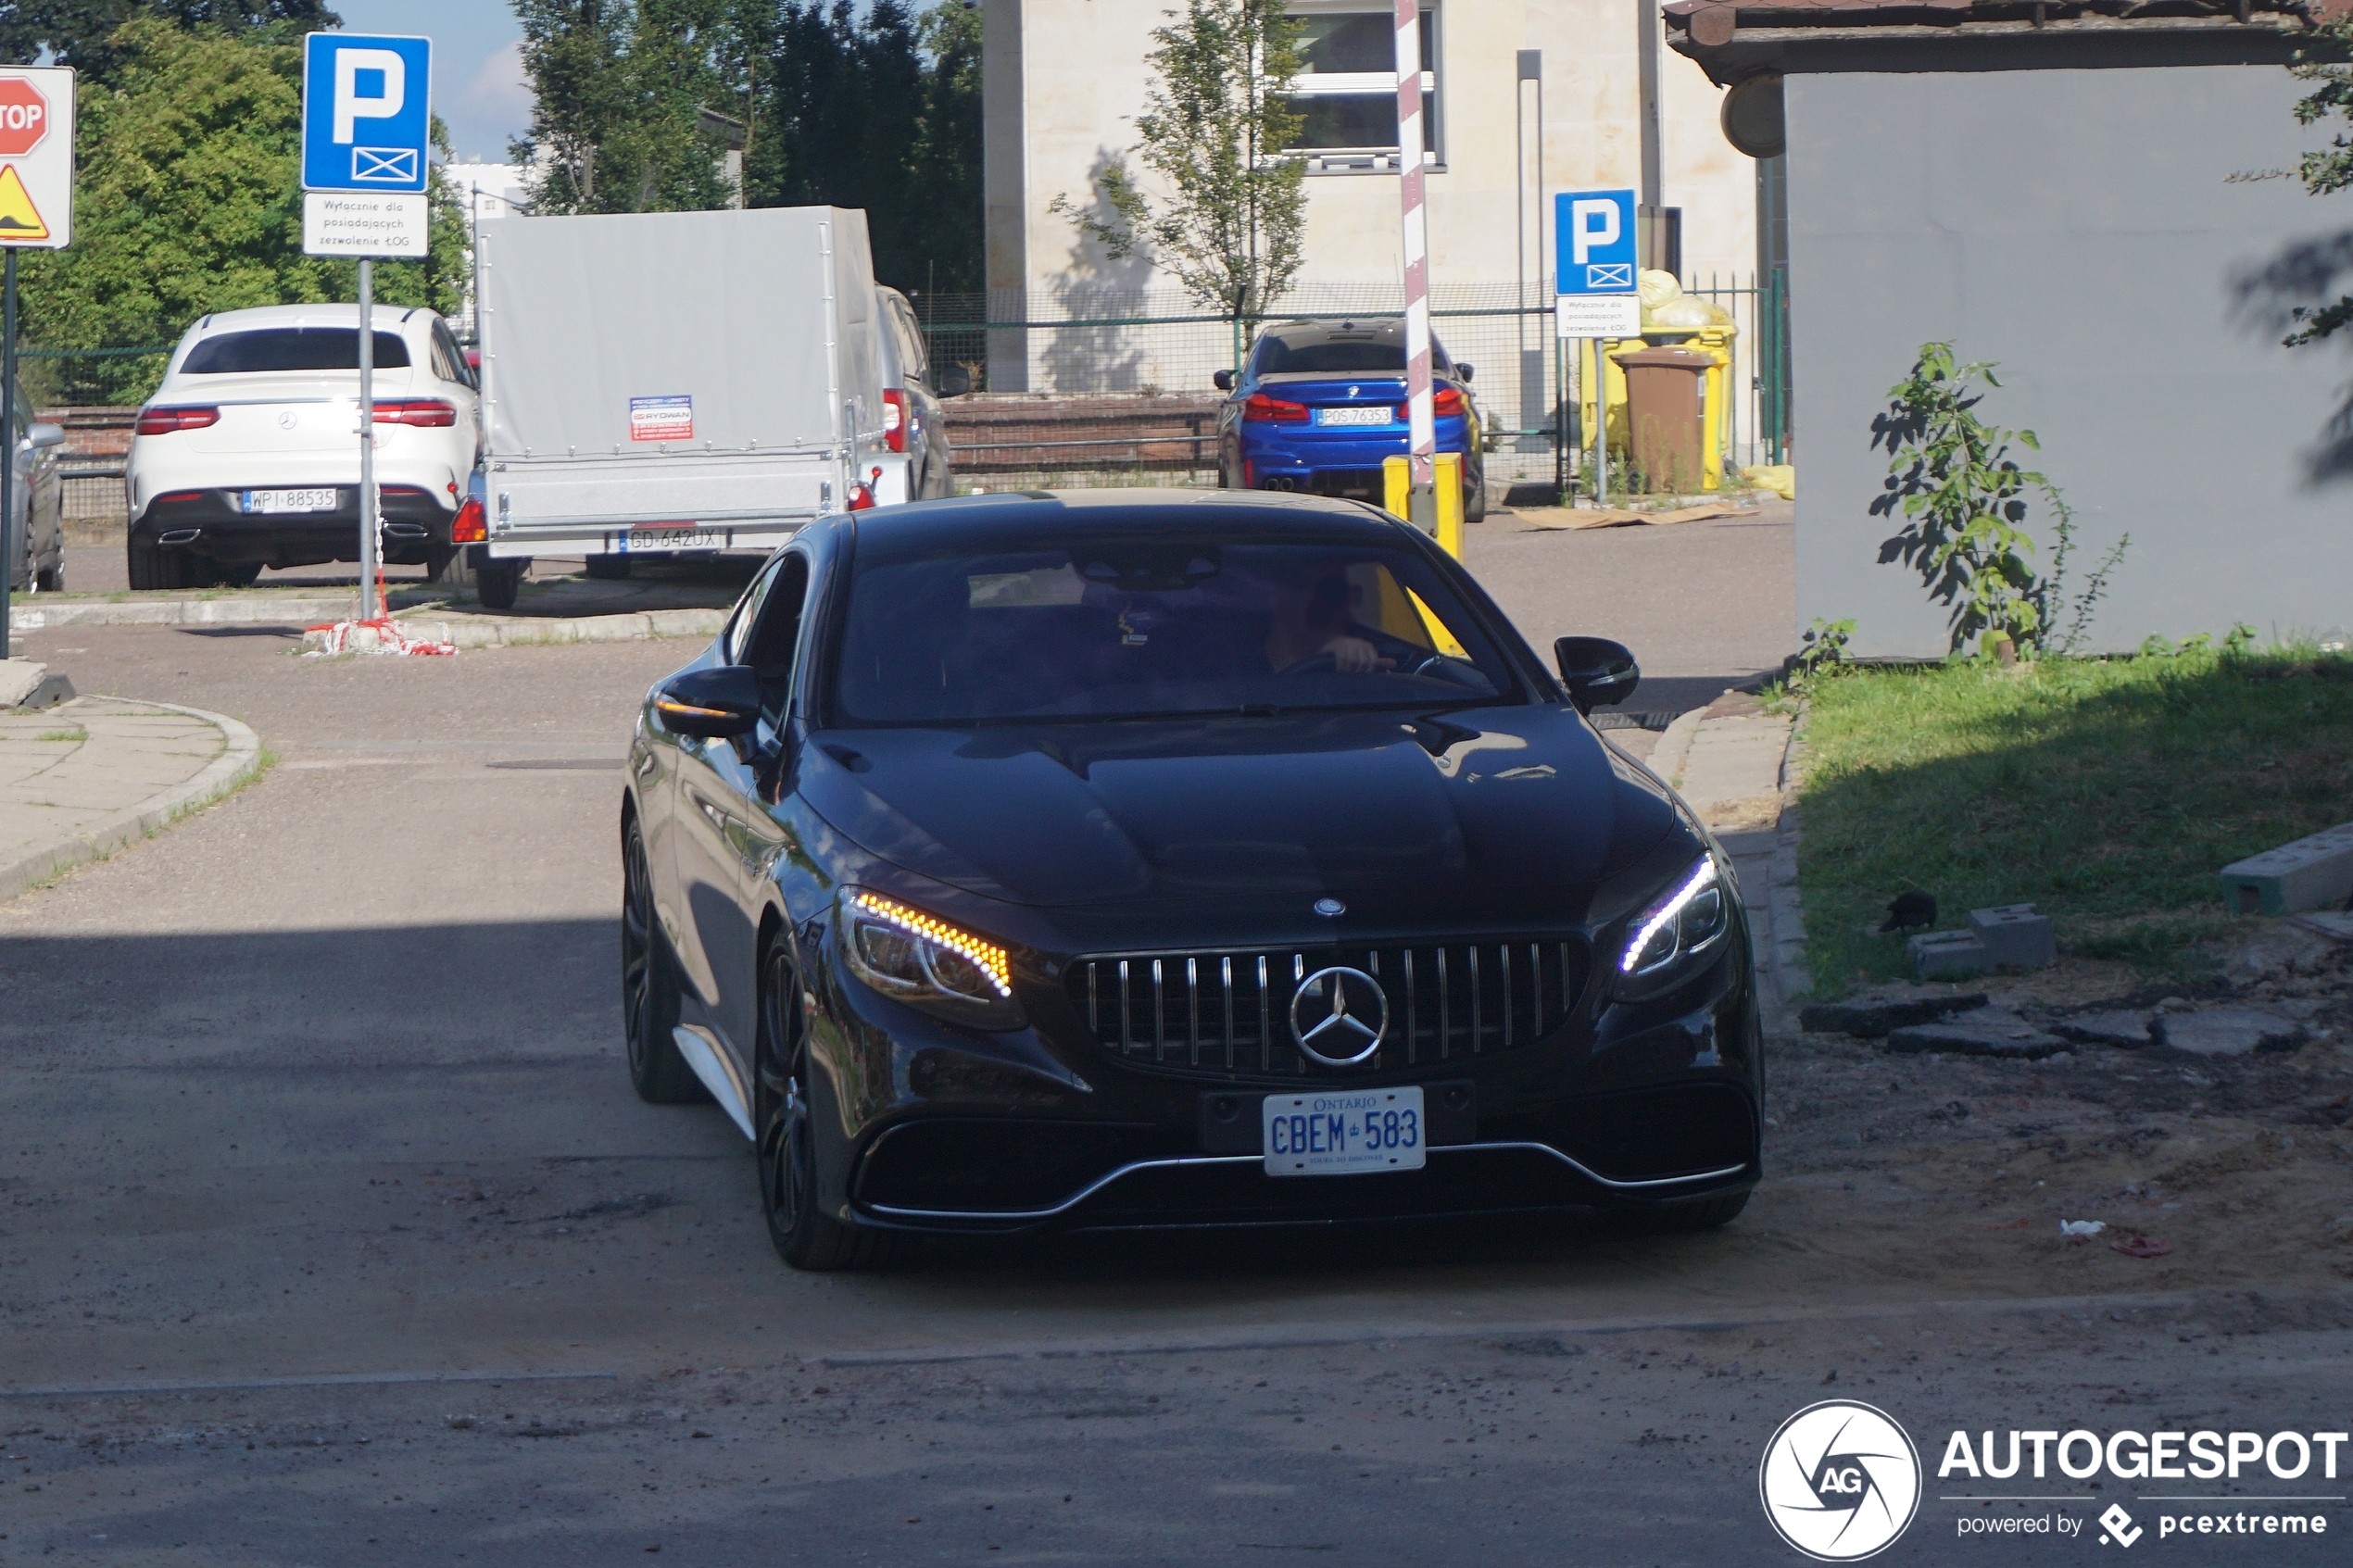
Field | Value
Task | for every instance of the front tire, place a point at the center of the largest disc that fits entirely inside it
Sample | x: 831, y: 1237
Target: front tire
x: 649, y: 988
x: 804, y: 1235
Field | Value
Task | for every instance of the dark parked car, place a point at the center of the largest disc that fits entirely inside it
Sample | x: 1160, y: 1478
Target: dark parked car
x: 1132, y: 858
x: 1320, y: 405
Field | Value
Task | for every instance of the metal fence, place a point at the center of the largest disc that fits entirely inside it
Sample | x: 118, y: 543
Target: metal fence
x: 1146, y: 346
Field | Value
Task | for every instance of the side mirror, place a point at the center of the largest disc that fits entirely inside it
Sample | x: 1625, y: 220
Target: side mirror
x: 1223, y: 380
x: 1462, y: 372
x: 718, y: 704
x: 955, y: 381
x: 1598, y: 673
x: 41, y: 432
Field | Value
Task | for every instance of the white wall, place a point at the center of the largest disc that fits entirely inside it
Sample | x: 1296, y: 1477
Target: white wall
x: 2080, y: 227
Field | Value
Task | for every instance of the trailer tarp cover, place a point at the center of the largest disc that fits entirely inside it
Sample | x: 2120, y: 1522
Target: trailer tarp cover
x: 633, y: 334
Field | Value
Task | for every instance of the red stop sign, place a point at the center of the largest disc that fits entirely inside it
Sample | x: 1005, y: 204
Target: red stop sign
x: 24, y: 115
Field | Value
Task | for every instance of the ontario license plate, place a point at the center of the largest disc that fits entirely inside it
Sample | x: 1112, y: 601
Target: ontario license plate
x: 1344, y: 1132
x: 289, y: 501
x: 1381, y: 416
x: 673, y: 539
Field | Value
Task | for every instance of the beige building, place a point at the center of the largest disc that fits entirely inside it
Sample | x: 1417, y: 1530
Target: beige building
x: 1527, y: 97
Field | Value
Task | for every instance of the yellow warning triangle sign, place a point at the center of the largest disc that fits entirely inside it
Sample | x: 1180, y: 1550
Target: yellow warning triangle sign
x: 20, y: 220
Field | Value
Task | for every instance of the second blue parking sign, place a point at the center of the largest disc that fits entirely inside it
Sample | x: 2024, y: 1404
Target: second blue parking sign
x: 367, y: 112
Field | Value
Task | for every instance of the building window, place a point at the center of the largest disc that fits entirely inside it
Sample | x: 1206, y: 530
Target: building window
x: 1346, y: 91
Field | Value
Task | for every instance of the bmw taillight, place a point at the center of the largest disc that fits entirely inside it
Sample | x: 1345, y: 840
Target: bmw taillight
x: 896, y: 418
x: 471, y: 525
x: 1274, y: 410
x: 1445, y: 401
x: 163, y: 421
x: 425, y: 412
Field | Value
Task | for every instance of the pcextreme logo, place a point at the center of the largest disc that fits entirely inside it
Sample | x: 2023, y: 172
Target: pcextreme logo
x: 1840, y: 1481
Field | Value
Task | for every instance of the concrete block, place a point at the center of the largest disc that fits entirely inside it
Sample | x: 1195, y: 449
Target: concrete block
x: 1941, y: 955
x: 2129, y: 1029
x: 20, y: 678
x: 2015, y: 936
x: 1873, y: 1020
x: 1992, y: 1032
x: 2227, y: 1032
x: 2308, y: 875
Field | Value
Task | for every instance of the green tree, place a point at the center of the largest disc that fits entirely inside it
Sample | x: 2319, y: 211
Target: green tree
x: 620, y: 88
x: 80, y: 32
x: 877, y: 107
x: 2328, y: 63
x: 188, y: 200
x: 1215, y: 120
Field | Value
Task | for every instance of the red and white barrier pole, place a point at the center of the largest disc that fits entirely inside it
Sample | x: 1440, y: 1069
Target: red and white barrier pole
x: 1423, y: 439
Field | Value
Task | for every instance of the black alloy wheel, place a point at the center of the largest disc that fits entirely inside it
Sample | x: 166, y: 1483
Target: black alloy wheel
x: 804, y: 1235
x: 649, y: 988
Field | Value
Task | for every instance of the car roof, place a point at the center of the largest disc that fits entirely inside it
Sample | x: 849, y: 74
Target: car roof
x: 387, y: 318
x: 1008, y: 519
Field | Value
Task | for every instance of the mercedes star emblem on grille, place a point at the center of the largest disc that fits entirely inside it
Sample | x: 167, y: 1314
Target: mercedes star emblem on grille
x: 1340, y: 1016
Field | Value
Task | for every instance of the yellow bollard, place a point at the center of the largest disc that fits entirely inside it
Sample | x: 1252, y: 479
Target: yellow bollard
x: 1450, y: 503
x: 1396, y: 486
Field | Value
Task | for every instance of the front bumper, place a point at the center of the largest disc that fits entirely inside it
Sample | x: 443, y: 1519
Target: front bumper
x: 213, y: 523
x: 1619, y: 1106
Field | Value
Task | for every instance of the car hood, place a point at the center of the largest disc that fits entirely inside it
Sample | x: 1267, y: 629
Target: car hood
x: 1491, y: 816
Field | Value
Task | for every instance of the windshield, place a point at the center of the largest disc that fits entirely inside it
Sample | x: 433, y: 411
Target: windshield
x: 291, y: 348
x: 1154, y: 625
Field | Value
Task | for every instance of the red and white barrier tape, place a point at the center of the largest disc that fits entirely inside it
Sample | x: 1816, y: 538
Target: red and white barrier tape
x: 343, y: 636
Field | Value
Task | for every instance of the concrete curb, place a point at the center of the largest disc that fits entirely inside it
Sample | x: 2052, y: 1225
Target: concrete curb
x: 1675, y: 744
x: 240, y: 760
x: 253, y: 612
x: 488, y: 632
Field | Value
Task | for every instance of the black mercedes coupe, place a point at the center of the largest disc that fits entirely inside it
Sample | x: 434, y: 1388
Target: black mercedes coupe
x: 1119, y: 860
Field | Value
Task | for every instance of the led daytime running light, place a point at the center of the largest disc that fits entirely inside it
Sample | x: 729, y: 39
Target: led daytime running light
x: 1702, y: 878
x: 990, y: 960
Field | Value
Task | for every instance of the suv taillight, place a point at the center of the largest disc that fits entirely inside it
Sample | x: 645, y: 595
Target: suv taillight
x: 896, y: 418
x: 471, y: 525
x: 163, y: 421
x: 427, y: 412
x: 1261, y: 407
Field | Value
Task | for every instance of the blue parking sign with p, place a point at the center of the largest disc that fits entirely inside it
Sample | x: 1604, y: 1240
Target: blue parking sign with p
x: 367, y: 112
x: 1594, y: 242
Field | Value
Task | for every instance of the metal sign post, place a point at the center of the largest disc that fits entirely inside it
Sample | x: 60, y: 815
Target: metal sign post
x: 367, y: 120
x: 36, y: 213
x: 1594, y: 288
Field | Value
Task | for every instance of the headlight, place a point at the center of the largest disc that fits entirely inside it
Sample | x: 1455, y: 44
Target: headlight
x: 1690, y: 919
x: 921, y: 961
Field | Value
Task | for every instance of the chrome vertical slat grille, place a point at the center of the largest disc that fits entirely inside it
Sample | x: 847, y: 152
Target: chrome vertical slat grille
x: 1227, y: 1014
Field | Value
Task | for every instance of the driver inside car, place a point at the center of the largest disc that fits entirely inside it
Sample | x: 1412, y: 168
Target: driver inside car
x: 1313, y: 614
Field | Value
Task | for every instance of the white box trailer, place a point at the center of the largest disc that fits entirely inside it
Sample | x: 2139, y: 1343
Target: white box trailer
x: 676, y: 381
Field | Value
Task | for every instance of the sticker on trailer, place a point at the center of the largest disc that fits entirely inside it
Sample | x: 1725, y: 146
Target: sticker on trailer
x: 661, y: 419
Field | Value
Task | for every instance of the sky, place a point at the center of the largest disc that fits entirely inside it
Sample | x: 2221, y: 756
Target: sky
x: 477, y: 64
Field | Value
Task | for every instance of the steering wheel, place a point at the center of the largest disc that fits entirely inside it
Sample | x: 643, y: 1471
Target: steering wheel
x: 1314, y: 664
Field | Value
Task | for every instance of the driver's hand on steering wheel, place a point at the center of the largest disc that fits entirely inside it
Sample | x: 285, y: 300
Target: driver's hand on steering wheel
x: 1355, y: 656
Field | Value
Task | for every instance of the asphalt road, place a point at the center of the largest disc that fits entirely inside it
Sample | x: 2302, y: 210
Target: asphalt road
x: 331, y: 1232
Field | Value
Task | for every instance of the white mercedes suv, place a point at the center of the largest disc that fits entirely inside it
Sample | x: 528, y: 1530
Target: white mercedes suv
x: 249, y: 454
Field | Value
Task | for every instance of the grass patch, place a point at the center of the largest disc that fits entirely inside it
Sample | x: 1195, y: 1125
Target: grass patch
x: 70, y: 734
x: 2109, y: 792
